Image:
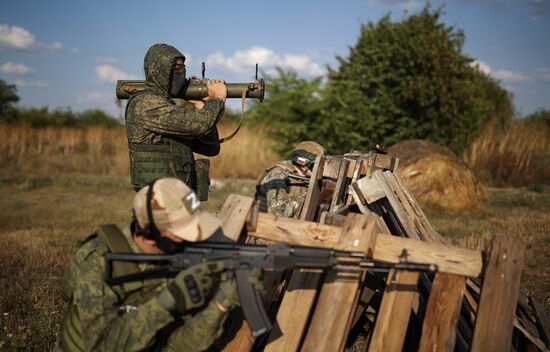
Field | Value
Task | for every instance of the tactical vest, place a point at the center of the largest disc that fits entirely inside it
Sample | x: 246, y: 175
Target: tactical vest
x: 149, y: 162
x: 112, y: 239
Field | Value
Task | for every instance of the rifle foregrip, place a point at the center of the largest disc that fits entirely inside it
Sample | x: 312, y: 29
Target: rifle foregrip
x: 252, y: 304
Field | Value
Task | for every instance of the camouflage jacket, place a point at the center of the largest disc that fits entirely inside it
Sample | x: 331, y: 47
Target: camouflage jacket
x: 113, y: 321
x: 284, y: 196
x: 152, y: 115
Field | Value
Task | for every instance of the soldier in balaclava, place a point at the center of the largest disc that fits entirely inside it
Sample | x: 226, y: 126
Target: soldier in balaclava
x: 163, y: 136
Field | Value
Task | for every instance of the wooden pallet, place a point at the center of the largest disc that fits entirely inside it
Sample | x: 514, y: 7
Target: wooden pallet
x: 371, y: 210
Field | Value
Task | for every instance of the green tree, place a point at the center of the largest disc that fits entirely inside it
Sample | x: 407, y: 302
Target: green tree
x: 291, y: 109
x: 8, y: 96
x: 408, y: 79
x: 540, y: 116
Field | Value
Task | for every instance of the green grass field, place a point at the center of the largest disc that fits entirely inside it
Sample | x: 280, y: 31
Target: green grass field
x: 44, y: 216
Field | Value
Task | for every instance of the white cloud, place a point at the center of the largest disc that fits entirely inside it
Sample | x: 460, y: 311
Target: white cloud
x: 92, y: 97
x: 245, y: 60
x: 405, y: 5
x: 482, y: 66
x: 511, y: 77
x: 106, y: 60
x: 19, y: 68
x: 74, y: 51
x: 540, y: 74
x: 15, y: 37
x: 54, y: 45
x: 32, y: 84
x: 543, y: 74
x: 110, y: 74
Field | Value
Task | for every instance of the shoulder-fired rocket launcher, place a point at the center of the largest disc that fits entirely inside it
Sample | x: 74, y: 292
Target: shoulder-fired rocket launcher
x: 196, y: 88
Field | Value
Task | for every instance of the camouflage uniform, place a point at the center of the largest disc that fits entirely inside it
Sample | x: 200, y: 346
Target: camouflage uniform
x: 280, y: 194
x: 162, y: 136
x: 112, y: 318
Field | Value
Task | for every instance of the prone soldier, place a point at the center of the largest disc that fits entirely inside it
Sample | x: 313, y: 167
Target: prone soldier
x: 182, y: 313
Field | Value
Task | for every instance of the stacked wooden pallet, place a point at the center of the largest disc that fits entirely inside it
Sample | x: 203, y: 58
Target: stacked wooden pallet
x: 358, y: 202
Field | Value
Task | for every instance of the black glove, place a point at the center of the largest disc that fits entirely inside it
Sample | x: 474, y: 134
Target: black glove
x: 191, y: 288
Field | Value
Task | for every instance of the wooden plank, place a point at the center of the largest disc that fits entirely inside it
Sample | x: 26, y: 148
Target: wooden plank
x: 359, y: 201
x: 393, y: 316
x: 340, y: 292
x: 541, y: 320
x: 294, y: 312
x: 442, y: 312
x: 357, y: 165
x: 234, y: 213
x: 395, y: 204
x: 332, y: 166
x: 407, y: 207
x: 385, y: 162
x: 352, y: 167
x: 432, y: 234
x: 340, y: 188
x: 313, y: 190
x: 535, y: 340
x: 336, y: 218
x: 369, y: 189
x: 450, y: 259
x: 499, y: 295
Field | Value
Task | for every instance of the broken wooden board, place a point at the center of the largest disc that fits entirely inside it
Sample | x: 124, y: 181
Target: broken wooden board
x: 499, y: 295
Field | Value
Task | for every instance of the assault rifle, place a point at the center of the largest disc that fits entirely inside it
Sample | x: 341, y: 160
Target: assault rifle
x: 240, y: 259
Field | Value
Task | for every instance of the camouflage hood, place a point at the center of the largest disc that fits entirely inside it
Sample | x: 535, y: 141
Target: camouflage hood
x: 158, y: 67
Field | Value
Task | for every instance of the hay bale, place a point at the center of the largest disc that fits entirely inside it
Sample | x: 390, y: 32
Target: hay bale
x: 436, y: 177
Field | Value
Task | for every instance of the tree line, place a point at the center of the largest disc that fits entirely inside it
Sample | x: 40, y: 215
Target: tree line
x: 44, y: 116
x: 406, y: 79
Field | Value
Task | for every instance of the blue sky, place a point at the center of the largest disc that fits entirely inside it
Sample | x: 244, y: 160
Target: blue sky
x: 70, y: 53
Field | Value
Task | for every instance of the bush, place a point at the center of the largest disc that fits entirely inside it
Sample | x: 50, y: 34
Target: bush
x: 409, y: 80
x: 541, y: 116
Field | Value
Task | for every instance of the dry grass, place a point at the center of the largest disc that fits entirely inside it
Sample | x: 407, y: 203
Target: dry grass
x: 517, y: 156
x: 104, y: 151
x: 513, y: 212
x: 97, y: 149
x: 245, y: 156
